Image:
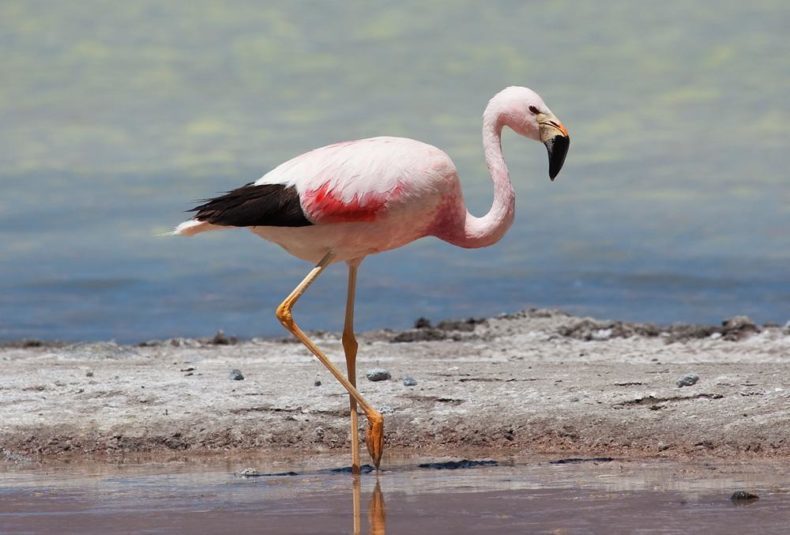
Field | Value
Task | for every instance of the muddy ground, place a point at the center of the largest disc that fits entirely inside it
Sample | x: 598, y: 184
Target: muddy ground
x: 534, y: 382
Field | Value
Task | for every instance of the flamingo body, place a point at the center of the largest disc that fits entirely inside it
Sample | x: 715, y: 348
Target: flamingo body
x: 346, y: 201
x: 363, y: 197
x: 357, y: 197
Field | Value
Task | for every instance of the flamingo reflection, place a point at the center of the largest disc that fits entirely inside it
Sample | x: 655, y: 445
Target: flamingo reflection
x: 377, y: 515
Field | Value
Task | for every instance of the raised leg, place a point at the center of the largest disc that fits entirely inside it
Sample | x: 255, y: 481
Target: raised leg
x: 375, y: 432
x: 350, y: 346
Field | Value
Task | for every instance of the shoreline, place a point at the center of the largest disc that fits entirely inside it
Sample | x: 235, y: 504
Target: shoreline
x: 535, y: 382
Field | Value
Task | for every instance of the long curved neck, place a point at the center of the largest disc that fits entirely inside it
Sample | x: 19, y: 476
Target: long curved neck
x: 489, y: 229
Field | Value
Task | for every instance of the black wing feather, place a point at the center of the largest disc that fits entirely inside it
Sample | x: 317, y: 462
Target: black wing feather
x: 266, y: 205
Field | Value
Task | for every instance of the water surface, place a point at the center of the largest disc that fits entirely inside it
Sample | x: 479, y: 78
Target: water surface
x: 673, y: 205
x: 515, y: 497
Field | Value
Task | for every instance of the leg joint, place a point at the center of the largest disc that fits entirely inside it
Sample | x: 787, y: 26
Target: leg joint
x: 350, y: 343
x: 285, y: 315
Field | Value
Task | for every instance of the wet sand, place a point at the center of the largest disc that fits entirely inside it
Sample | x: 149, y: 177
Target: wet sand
x: 529, y: 383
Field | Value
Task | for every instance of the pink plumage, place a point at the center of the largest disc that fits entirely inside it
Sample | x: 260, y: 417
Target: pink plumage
x: 345, y: 201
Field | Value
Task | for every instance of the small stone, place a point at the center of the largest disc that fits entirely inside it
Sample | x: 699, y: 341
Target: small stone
x: 378, y: 374
x: 89, y: 373
x: 386, y: 409
x: 743, y: 496
x: 221, y: 340
x: 602, y: 334
x: 687, y: 380
x: 409, y: 381
x: 236, y: 375
x: 317, y: 382
x: 422, y: 323
x: 249, y: 472
x: 738, y: 328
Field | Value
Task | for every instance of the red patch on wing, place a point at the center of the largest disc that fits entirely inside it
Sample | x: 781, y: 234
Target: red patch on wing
x: 324, y: 206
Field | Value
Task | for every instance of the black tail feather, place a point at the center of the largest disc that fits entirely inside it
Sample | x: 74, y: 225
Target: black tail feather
x: 266, y: 205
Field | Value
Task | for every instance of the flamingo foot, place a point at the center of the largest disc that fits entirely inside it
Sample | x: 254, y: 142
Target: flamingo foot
x: 374, y: 438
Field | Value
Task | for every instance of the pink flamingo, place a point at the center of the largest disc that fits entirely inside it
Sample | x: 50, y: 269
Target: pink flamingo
x: 349, y: 200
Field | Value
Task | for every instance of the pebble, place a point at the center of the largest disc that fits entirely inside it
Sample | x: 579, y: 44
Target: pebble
x: 317, y: 382
x: 378, y: 374
x: 409, y: 381
x: 422, y: 323
x: 687, y: 380
x: 221, y: 340
x: 236, y: 375
x: 89, y: 373
x: 602, y: 334
x: 249, y: 472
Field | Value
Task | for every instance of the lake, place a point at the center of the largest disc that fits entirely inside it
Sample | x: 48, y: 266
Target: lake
x: 673, y: 204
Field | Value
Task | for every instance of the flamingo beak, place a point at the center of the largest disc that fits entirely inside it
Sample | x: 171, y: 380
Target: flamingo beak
x: 556, y: 138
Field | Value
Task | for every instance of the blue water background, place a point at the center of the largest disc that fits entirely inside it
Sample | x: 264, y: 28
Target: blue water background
x: 673, y: 206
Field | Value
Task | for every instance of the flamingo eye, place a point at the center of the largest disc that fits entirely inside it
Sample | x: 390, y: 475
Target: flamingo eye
x: 534, y: 110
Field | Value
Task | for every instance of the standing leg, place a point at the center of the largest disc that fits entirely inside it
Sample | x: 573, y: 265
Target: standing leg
x: 375, y: 432
x: 350, y: 346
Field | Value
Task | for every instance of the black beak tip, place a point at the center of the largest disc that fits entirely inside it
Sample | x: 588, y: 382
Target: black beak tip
x: 558, y: 149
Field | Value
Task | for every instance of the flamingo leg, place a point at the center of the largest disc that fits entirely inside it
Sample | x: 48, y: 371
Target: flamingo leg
x: 350, y: 346
x: 375, y: 432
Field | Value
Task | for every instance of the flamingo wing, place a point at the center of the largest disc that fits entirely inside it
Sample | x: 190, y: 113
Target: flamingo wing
x: 350, y: 181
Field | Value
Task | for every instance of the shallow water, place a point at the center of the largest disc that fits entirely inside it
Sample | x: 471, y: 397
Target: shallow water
x: 673, y: 205
x: 514, y: 497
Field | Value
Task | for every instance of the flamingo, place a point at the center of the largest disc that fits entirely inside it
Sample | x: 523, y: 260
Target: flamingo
x: 346, y: 201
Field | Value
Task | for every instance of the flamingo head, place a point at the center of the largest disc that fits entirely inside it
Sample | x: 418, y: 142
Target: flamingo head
x: 524, y: 111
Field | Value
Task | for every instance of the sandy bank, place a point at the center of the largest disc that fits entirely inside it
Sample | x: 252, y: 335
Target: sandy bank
x: 538, y: 381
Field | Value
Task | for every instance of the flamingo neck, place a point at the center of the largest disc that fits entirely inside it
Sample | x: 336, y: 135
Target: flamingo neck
x: 489, y: 229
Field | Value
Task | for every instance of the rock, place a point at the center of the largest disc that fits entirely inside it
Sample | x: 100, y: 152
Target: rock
x: 687, y: 380
x: 602, y: 334
x: 89, y: 373
x: 249, y: 472
x: 743, y: 496
x: 378, y: 374
x: 466, y: 325
x: 221, y: 340
x: 386, y: 409
x: 409, y: 381
x: 738, y: 328
x: 317, y: 382
x: 236, y: 375
x: 424, y: 334
x: 422, y: 323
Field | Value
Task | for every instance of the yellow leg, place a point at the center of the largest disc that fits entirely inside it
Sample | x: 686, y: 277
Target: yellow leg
x: 350, y: 346
x: 375, y: 432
